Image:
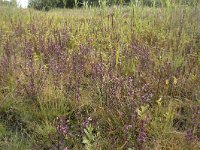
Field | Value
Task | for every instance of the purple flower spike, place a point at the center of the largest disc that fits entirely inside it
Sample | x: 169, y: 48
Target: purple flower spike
x: 66, y: 148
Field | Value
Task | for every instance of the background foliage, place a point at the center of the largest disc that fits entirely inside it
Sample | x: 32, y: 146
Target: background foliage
x: 47, y: 4
x: 8, y: 3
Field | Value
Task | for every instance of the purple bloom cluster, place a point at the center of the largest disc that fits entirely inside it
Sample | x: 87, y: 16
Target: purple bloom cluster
x: 196, y: 116
x: 190, y: 137
x: 61, y: 126
x: 142, y: 135
x: 87, y: 122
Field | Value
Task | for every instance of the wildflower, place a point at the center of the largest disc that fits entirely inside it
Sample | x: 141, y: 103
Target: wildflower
x: 175, y: 80
x: 87, y: 121
x: 167, y: 82
x: 142, y: 136
x: 65, y: 148
x: 127, y: 127
x: 61, y: 126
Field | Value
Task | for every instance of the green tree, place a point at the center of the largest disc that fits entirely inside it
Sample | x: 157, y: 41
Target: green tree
x: 8, y: 3
x: 13, y: 3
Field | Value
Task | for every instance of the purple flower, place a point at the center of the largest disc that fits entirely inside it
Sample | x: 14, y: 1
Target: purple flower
x: 65, y: 148
x: 142, y: 136
x: 127, y: 127
x: 87, y: 121
x: 189, y: 135
x: 61, y: 126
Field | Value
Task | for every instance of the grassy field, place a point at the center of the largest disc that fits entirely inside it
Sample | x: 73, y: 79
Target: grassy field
x: 118, y: 78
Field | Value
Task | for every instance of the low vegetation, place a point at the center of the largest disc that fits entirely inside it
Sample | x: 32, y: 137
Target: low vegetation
x: 120, y: 77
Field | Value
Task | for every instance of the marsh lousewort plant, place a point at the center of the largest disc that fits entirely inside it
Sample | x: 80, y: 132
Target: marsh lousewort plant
x: 134, y: 70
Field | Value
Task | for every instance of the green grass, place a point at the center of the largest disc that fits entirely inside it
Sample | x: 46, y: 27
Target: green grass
x: 158, y: 48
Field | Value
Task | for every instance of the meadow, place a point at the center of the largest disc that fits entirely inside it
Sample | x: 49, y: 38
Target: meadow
x: 108, y: 78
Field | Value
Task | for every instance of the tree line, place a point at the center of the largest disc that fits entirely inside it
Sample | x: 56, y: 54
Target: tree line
x: 8, y: 3
x: 48, y: 4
